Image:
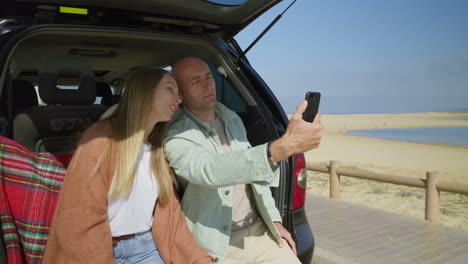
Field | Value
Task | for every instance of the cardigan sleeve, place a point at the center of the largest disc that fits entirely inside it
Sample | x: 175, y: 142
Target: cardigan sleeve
x: 174, y: 240
x: 81, y: 222
x: 185, y: 247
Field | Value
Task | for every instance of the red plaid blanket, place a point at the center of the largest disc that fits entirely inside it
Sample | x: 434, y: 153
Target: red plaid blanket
x: 29, y: 188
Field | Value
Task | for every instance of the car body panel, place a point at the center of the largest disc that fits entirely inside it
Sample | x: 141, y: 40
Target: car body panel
x: 198, y: 15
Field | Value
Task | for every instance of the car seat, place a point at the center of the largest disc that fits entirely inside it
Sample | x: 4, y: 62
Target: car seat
x: 23, y: 96
x: 54, y: 127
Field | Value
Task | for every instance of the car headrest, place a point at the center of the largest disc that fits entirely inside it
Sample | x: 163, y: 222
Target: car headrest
x: 104, y: 91
x: 24, y: 96
x: 73, y: 66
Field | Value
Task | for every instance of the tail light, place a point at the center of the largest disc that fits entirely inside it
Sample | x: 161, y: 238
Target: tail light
x: 300, y: 181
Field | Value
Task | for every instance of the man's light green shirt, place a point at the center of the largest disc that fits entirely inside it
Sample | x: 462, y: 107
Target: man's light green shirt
x: 208, y: 175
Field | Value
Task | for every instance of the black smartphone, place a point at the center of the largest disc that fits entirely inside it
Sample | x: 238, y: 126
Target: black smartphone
x: 313, y: 102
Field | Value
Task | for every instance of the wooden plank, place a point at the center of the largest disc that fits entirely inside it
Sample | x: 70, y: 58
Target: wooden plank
x: 452, y: 256
x: 324, y: 203
x: 325, y: 218
x: 417, y: 249
x: 352, y: 216
x: 399, y: 250
x: 369, y: 238
x: 333, y: 212
x: 383, y: 250
x: 381, y: 235
x: 348, y: 236
x: 431, y: 253
x: 348, y: 221
x: 389, y: 254
x: 414, y: 241
x: 330, y: 246
x: 368, y: 222
x: 368, y: 235
x: 326, y: 231
x: 406, y: 248
x: 413, y: 237
x: 397, y: 230
x: 356, y: 217
x: 350, y: 249
x: 461, y: 260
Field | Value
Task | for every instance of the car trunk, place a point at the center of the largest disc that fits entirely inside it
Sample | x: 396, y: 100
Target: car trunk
x: 202, y: 17
x: 115, y: 53
x: 118, y: 47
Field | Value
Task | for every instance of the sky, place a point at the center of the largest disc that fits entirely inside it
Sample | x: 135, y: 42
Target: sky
x: 365, y: 56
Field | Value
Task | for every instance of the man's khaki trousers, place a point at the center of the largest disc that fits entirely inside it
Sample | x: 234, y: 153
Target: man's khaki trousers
x: 256, y: 245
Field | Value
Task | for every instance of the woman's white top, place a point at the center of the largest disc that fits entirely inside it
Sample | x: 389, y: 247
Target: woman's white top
x: 135, y: 214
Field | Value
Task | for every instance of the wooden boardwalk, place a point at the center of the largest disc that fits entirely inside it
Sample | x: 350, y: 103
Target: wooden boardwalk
x: 365, y: 235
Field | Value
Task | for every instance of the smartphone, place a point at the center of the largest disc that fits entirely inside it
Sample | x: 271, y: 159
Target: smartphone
x: 313, y: 101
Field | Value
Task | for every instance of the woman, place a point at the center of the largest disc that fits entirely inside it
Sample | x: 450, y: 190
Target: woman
x: 117, y: 203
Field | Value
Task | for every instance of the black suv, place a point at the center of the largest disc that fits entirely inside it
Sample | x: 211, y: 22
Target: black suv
x: 98, y: 43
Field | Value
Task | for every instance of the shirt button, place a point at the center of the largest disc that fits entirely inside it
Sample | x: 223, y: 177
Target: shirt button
x: 226, y: 193
x: 216, y: 260
x: 225, y: 228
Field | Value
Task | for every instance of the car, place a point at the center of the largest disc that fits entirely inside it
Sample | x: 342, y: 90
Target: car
x: 62, y: 66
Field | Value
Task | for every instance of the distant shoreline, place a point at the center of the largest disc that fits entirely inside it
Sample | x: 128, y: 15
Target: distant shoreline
x: 392, y: 121
x: 402, y: 113
x: 408, y: 158
x: 345, y: 132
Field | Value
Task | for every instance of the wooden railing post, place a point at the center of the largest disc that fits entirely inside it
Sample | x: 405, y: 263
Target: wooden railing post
x: 432, y: 197
x: 432, y: 184
x: 334, y: 181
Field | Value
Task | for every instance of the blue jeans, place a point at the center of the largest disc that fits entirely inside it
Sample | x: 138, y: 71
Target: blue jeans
x: 137, y: 249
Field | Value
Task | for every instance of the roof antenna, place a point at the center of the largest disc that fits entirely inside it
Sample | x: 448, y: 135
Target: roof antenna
x: 265, y: 31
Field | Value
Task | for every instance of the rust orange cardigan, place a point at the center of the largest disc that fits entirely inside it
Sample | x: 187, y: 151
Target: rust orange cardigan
x: 80, y: 232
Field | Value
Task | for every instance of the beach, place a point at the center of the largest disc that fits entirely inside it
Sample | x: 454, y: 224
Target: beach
x: 395, y: 158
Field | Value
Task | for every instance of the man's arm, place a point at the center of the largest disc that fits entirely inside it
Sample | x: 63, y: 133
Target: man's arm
x: 198, y: 165
x: 300, y: 136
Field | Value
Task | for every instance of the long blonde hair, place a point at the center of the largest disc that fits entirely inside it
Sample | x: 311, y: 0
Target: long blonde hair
x: 129, y: 122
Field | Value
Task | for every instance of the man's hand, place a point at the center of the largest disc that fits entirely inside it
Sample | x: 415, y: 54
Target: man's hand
x: 300, y: 136
x: 286, y: 235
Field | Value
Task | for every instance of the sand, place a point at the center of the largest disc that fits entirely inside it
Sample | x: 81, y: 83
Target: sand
x: 396, y: 158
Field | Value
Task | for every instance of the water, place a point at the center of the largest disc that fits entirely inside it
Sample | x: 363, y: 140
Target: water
x: 452, y: 136
x: 367, y: 104
x: 380, y: 104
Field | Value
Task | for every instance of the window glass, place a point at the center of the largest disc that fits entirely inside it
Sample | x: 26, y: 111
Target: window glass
x: 227, y: 2
x: 226, y: 94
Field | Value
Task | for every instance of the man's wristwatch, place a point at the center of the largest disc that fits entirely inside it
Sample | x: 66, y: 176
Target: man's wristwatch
x: 270, y: 158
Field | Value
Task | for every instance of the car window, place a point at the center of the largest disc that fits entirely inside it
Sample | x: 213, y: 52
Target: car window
x: 226, y: 94
x: 227, y: 2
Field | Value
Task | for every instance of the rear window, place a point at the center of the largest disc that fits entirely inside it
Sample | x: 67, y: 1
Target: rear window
x: 227, y: 2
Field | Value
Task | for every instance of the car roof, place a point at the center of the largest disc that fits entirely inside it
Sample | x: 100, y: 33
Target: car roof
x: 221, y: 17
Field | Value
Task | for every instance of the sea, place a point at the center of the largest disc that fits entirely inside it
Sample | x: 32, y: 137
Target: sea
x: 451, y: 136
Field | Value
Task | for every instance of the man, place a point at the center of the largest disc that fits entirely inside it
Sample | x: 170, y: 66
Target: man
x: 227, y: 199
